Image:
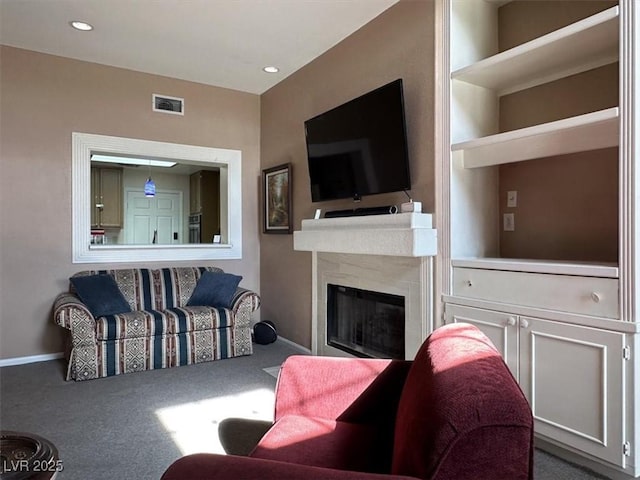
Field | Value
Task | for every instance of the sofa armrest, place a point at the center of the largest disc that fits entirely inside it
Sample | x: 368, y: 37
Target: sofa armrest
x: 354, y: 390
x: 69, y: 312
x: 243, y: 304
x: 209, y: 466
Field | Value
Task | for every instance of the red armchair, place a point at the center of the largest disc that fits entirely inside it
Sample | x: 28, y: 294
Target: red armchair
x: 455, y: 412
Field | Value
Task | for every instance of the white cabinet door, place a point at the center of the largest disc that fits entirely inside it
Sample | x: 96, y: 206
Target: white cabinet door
x: 573, y: 378
x: 501, y: 328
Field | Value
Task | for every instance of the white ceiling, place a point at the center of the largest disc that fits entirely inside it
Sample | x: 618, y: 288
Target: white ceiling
x: 217, y: 42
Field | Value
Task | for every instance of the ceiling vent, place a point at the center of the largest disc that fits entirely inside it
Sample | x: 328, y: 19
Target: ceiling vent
x: 165, y: 104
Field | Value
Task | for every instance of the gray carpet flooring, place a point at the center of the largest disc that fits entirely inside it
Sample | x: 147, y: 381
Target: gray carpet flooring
x: 133, y: 426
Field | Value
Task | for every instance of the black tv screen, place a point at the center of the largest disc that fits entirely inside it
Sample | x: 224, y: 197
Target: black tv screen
x: 359, y: 148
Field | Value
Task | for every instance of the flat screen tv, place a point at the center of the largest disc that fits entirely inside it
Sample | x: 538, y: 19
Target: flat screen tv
x: 359, y: 148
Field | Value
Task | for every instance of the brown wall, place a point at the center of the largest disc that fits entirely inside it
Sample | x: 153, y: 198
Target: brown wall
x: 567, y: 205
x: 524, y: 20
x: 574, y: 217
x: 397, y: 44
x: 45, y: 98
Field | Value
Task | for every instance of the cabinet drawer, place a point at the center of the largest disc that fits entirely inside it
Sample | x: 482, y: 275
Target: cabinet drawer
x: 566, y: 293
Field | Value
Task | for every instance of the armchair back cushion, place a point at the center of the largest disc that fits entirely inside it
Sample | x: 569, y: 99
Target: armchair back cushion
x: 461, y: 409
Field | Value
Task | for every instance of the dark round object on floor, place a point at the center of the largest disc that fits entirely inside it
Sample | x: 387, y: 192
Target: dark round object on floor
x: 27, y: 456
x: 264, y: 332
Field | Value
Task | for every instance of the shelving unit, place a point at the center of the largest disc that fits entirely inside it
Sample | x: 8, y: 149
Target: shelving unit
x: 584, y: 45
x: 477, y: 89
x: 590, y: 131
x: 567, y: 324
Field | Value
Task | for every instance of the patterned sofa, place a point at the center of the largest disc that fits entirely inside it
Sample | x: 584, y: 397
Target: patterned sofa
x: 161, y: 331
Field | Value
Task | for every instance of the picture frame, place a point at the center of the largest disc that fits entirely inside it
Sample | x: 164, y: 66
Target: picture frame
x: 276, y: 185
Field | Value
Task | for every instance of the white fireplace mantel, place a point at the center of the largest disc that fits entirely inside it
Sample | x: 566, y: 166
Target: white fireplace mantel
x: 402, y: 234
x: 382, y: 253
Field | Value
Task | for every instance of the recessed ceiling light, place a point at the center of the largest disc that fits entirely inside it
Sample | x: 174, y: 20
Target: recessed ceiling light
x: 271, y: 69
x: 84, y: 26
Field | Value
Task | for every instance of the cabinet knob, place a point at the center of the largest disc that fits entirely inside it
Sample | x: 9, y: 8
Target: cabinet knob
x: 468, y: 283
x: 524, y: 323
x: 511, y: 321
x: 595, y: 296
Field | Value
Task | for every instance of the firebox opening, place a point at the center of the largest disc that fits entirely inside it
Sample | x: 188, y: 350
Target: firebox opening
x: 365, y: 323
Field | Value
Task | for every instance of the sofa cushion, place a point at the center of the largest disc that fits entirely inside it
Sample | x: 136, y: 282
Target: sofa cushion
x: 100, y: 294
x: 188, y: 319
x: 215, y: 289
x: 139, y: 323
x: 175, y: 285
x: 146, y: 289
x: 136, y: 285
x: 149, y: 323
x: 322, y: 443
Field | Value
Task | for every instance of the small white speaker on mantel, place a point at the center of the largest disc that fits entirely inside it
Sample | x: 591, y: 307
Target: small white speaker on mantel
x: 409, y: 207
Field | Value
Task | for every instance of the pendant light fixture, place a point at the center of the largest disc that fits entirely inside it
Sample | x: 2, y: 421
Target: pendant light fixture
x: 149, y: 186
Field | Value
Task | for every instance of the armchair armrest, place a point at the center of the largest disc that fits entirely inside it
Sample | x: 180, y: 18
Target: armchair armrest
x: 69, y: 312
x: 243, y: 304
x: 209, y: 466
x: 348, y: 389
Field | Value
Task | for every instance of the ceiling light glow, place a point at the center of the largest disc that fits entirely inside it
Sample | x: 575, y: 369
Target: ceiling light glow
x: 83, y: 26
x: 271, y: 69
x: 131, y: 161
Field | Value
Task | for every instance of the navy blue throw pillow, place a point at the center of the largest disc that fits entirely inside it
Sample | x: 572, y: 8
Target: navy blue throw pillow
x: 214, y: 289
x: 101, y: 295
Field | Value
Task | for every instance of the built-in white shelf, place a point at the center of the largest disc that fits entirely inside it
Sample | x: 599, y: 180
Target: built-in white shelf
x: 557, y: 267
x: 402, y: 234
x: 581, y: 46
x: 590, y: 131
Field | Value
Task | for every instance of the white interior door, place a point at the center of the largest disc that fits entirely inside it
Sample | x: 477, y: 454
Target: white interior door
x: 149, y: 217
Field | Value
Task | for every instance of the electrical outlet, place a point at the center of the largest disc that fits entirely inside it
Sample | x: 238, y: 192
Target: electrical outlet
x: 512, y: 198
x: 508, y: 222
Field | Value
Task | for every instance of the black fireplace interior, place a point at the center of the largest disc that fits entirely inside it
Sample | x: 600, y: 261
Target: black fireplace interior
x: 365, y: 323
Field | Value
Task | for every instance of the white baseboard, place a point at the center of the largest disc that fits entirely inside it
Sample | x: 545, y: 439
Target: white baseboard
x: 8, y: 362
x: 295, y: 345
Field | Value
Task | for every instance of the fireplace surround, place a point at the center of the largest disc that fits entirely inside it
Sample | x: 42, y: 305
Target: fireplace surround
x: 390, y: 254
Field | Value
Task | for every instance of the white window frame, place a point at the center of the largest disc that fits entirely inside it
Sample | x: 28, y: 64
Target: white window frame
x: 229, y: 162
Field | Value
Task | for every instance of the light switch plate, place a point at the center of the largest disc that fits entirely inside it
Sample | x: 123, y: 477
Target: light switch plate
x: 508, y: 222
x: 512, y: 198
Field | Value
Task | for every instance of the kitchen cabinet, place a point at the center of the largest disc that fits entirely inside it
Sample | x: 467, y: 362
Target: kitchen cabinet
x: 107, y: 197
x: 572, y: 375
x: 204, y: 200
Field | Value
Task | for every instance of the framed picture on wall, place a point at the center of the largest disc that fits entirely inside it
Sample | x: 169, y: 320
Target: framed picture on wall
x: 276, y: 184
